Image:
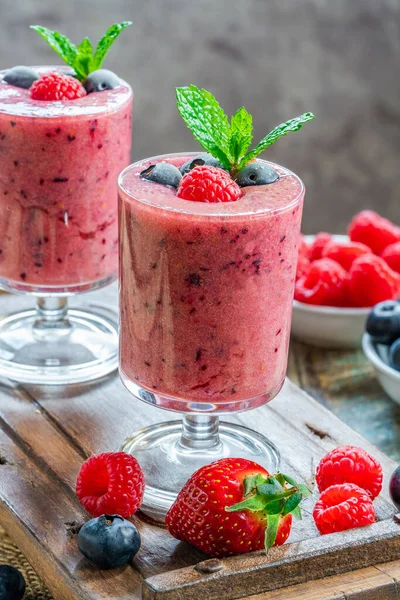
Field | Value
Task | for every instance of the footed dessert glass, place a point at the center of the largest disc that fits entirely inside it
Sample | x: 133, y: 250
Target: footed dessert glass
x: 206, y: 294
x: 59, y: 163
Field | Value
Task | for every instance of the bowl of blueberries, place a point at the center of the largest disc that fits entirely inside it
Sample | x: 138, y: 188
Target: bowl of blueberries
x: 381, y: 345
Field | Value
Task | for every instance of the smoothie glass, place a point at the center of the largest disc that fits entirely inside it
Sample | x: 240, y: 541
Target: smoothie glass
x: 59, y: 163
x: 206, y: 300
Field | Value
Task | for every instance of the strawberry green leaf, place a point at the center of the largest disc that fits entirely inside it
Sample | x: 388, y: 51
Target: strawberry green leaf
x: 289, y: 480
x: 297, y: 513
x: 207, y: 121
x: 272, y: 487
x: 271, y: 531
x: 254, y: 503
x: 251, y: 482
x: 304, y: 490
x: 292, y: 503
x: 275, y: 507
x: 275, y: 134
x: 105, y: 43
x: 241, y: 134
x: 59, y: 43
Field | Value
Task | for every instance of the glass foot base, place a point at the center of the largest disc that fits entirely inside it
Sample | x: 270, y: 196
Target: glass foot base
x: 82, y: 346
x: 168, y: 458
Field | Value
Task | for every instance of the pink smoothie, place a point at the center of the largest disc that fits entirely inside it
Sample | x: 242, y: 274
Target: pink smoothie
x: 206, y: 289
x: 59, y: 163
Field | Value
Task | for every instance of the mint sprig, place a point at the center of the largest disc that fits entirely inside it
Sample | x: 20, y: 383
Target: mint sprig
x: 272, y: 497
x: 81, y: 58
x: 228, y: 141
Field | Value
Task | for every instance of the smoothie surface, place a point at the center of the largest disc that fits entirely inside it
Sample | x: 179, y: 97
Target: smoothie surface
x: 17, y: 101
x: 273, y: 197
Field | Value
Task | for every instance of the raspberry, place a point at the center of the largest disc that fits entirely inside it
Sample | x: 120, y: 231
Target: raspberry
x: 316, y: 248
x: 57, y: 86
x: 324, y: 284
x: 208, y: 184
x: 374, y: 231
x: 344, y: 253
x: 342, y: 507
x: 349, y: 464
x: 110, y: 483
x: 303, y: 267
x: 371, y: 281
x: 391, y: 255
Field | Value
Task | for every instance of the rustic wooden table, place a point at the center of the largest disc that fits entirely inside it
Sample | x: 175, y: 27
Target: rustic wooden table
x: 343, y: 382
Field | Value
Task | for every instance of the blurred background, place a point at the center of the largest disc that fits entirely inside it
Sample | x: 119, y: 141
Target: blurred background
x: 279, y: 58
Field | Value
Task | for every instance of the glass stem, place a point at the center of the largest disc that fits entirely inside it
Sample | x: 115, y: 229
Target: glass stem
x: 200, y: 432
x: 52, y: 318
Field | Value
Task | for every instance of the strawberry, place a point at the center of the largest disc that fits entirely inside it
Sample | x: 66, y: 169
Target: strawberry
x: 233, y: 506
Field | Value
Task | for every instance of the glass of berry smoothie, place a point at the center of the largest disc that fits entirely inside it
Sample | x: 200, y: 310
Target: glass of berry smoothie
x: 207, y: 272
x: 65, y: 135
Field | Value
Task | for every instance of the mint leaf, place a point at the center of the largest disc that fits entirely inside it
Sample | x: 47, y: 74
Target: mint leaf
x: 84, y: 58
x: 207, y: 121
x: 275, y: 134
x: 271, y: 531
x: 59, y: 43
x: 105, y: 43
x: 241, y: 134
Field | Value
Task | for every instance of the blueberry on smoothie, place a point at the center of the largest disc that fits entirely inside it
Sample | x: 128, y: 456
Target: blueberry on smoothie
x: 21, y: 77
x: 163, y: 173
x: 202, y: 159
x: 256, y: 174
x: 101, y: 80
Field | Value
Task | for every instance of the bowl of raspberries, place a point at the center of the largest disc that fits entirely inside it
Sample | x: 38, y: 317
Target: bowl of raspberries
x: 340, y: 277
x: 381, y: 345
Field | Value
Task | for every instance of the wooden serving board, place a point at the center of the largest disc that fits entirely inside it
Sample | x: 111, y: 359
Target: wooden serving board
x: 45, y: 435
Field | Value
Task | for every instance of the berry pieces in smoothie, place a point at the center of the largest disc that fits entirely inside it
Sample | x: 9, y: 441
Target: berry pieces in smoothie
x: 21, y: 77
x: 57, y: 86
x: 163, y: 173
x: 208, y: 184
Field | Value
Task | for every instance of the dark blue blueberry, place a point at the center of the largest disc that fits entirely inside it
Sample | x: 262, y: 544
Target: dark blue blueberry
x: 201, y: 159
x: 100, y: 81
x: 256, y: 174
x: 163, y: 173
x: 394, y: 355
x: 394, y: 488
x: 383, y: 323
x: 109, y: 541
x: 12, y: 584
x: 22, y: 77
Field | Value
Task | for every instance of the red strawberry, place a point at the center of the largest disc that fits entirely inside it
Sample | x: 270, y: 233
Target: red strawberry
x: 344, y: 253
x: 391, y: 255
x: 234, y: 506
x: 343, y: 506
x: 318, y: 245
x: 374, y: 231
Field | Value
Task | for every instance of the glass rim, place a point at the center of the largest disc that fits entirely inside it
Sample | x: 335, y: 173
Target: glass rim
x: 211, y: 213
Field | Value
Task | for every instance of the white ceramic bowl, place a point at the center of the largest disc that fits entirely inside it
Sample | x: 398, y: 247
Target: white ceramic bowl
x: 389, y: 378
x: 328, y: 326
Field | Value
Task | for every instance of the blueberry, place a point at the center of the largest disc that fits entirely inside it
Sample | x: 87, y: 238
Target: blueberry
x: 383, y: 323
x: 163, y: 173
x: 394, y: 355
x: 109, y: 541
x: 394, y: 488
x: 101, y: 80
x: 201, y: 159
x: 256, y: 174
x: 22, y: 77
x: 12, y: 584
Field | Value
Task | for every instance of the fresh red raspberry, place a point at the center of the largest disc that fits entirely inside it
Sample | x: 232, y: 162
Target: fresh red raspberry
x: 342, y: 507
x: 208, y: 184
x: 110, y: 483
x: 374, y: 231
x: 318, y: 245
x: 349, y: 464
x: 391, y: 255
x: 371, y: 280
x: 304, y: 250
x: 303, y: 267
x: 57, y: 86
x: 344, y: 253
x: 324, y: 284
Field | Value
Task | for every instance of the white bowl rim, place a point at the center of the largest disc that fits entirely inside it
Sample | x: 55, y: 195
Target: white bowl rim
x: 331, y: 310
x: 376, y: 360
